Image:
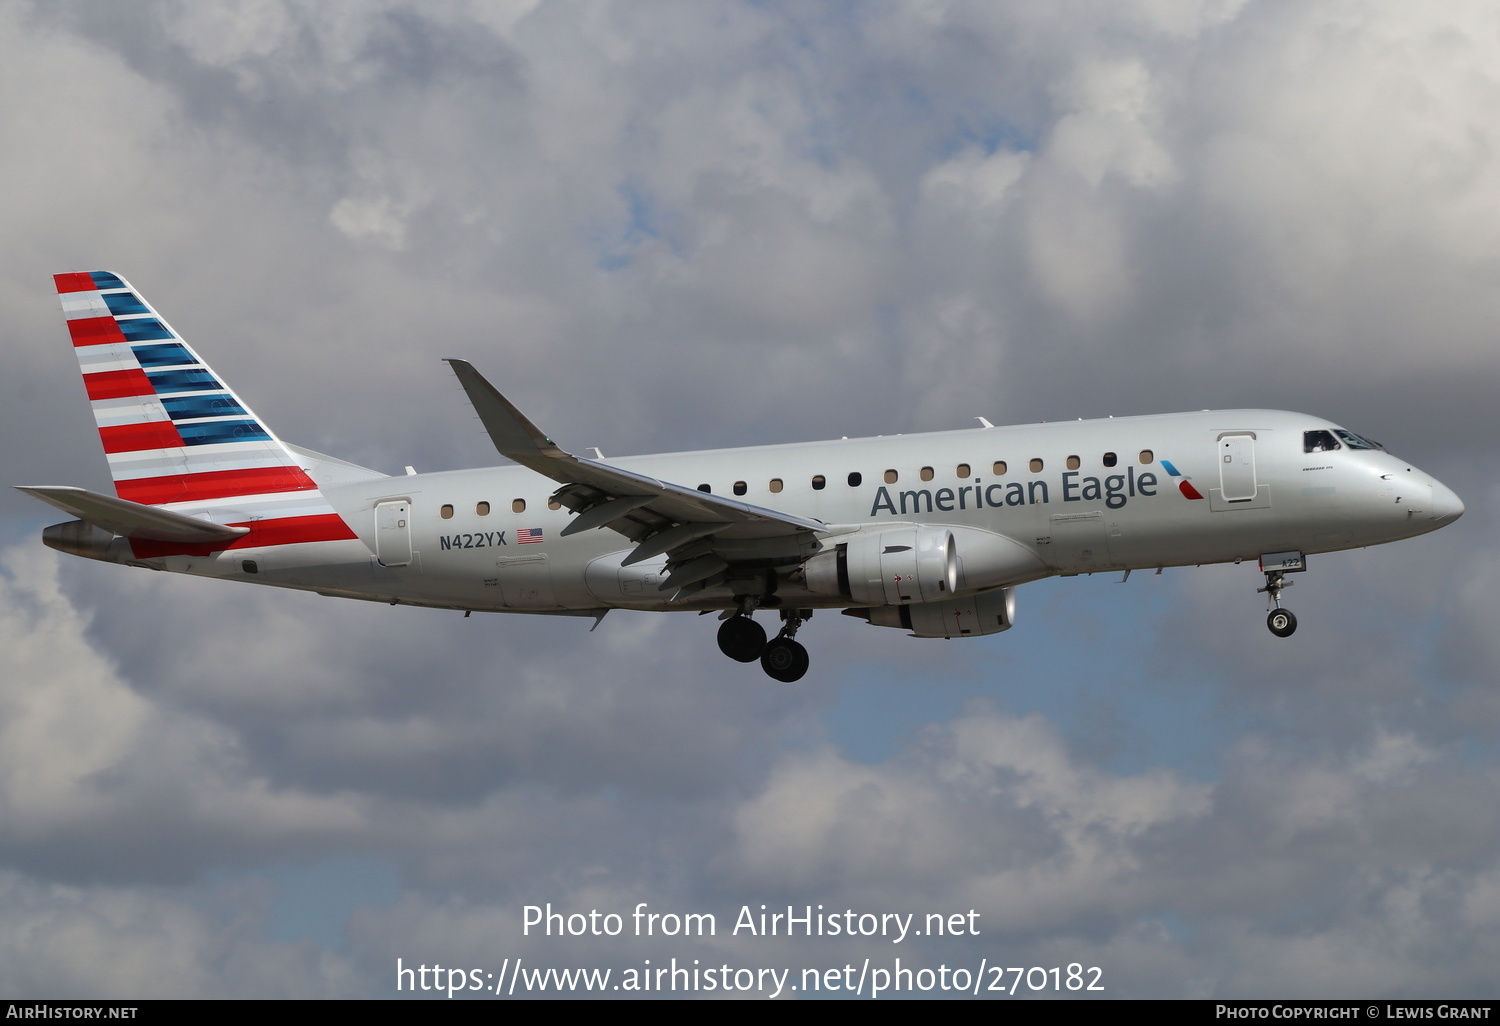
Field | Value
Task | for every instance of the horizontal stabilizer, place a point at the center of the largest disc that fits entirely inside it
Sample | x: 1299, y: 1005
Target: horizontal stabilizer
x: 131, y: 519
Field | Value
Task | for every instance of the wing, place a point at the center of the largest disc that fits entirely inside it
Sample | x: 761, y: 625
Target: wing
x: 706, y: 537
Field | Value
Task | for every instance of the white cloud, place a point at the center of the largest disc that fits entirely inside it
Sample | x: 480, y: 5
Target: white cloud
x: 88, y: 942
x: 982, y: 789
x: 86, y: 756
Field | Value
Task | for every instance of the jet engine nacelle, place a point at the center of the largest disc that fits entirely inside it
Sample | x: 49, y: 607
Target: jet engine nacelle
x: 988, y: 613
x: 890, y: 567
x: 914, y: 563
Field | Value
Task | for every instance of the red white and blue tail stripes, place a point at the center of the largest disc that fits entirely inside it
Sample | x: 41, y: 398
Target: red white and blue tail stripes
x: 175, y: 435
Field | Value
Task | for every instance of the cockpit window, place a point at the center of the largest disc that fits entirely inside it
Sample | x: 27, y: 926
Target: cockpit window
x: 1355, y: 442
x: 1319, y: 441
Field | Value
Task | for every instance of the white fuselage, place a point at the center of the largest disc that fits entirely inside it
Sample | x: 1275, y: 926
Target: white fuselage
x: 1079, y: 496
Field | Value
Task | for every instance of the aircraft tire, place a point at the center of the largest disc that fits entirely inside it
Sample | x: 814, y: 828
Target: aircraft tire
x: 742, y: 639
x: 1282, y: 623
x: 785, y: 660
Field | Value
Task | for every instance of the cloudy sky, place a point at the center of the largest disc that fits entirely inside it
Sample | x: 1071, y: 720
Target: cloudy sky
x: 679, y: 225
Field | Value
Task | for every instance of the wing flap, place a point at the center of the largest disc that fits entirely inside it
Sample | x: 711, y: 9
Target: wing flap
x: 605, y: 512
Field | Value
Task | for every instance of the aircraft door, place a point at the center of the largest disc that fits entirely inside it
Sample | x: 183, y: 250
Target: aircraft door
x: 1237, y: 467
x: 393, y: 533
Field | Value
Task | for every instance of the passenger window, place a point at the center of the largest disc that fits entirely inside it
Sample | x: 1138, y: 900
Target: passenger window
x: 446, y: 512
x: 482, y: 509
x: 518, y: 506
x: 926, y: 474
x: 891, y: 477
x: 1074, y: 463
x: 1318, y: 441
x: 740, y: 488
x: 819, y: 482
x: 775, y: 485
x: 963, y: 470
x: 999, y: 468
x: 1110, y: 459
x: 704, y: 488
x: 553, y: 504
x: 1147, y: 456
x: 855, y: 479
x: 1036, y: 466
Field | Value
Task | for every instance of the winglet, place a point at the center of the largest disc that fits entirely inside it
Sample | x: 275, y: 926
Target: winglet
x: 615, y: 492
x: 515, y: 436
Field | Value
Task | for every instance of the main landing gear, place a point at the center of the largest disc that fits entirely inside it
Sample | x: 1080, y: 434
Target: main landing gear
x: 1281, y: 621
x: 783, y: 658
x: 742, y: 639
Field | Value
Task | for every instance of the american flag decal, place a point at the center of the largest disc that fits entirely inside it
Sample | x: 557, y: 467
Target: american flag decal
x: 528, y: 535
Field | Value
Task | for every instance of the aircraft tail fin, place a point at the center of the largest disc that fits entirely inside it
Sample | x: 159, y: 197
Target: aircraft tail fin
x: 176, y: 436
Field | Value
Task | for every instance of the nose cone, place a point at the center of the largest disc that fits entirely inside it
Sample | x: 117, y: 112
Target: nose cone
x: 1446, y: 507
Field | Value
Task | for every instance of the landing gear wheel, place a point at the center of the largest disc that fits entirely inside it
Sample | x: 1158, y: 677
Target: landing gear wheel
x: 742, y: 639
x: 785, y: 660
x: 1281, y: 621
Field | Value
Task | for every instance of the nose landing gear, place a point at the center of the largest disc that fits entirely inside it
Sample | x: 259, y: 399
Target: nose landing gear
x: 1276, y: 565
x: 1281, y: 621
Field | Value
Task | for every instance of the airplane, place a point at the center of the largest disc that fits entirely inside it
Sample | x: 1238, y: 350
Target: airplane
x: 928, y: 532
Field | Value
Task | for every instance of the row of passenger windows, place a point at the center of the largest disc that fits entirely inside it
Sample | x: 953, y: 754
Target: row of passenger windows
x: 482, y: 509
x: 962, y: 471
